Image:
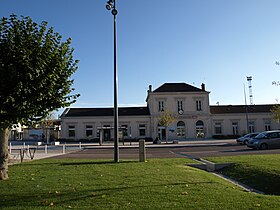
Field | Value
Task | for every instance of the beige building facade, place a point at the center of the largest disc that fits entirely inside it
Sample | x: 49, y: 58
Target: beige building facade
x: 194, y: 117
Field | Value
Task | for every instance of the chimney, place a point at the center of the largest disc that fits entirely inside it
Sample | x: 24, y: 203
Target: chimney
x: 203, y: 86
x: 150, y: 88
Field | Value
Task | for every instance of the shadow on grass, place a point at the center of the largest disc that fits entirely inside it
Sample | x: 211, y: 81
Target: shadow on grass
x: 267, y: 182
x: 70, y: 197
x: 97, y: 163
x: 73, y: 163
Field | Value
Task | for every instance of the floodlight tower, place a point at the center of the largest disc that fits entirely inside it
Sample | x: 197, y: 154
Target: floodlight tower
x: 249, y: 79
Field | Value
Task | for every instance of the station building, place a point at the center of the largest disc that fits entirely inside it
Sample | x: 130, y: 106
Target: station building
x: 194, y: 117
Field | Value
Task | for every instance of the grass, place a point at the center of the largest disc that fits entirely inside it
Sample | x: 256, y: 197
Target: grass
x: 261, y: 172
x: 97, y: 184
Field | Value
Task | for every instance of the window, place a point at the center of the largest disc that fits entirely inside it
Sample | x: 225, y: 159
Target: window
x: 198, y: 105
x: 218, y: 128
x: 251, y: 126
x: 274, y: 135
x: 89, y: 130
x: 267, y: 126
x: 161, y: 106
x: 124, y: 129
x: 199, y: 129
x: 180, y: 105
x: 235, y: 128
x: 142, y: 130
x: 71, y: 131
x: 98, y: 133
x: 181, y: 129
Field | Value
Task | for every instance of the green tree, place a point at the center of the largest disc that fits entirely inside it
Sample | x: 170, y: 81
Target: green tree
x: 165, y: 120
x: 276, y: 112
x: 35, y: 71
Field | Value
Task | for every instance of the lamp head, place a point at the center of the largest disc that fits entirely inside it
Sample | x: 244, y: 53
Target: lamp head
x: 108, y: 7
x: 114, y: 12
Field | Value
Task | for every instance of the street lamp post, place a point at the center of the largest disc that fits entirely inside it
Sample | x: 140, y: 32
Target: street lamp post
x: 111, y: 5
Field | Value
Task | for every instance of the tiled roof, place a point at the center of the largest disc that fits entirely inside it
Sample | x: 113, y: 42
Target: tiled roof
x: 231, y: 109
x: 177, y: 87
x: 90, y: 112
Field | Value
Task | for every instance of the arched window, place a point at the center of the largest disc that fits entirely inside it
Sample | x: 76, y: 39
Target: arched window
x: 199, y: 123
x: 181, y: 129
x: 180, y: 124
x: 199, y: 129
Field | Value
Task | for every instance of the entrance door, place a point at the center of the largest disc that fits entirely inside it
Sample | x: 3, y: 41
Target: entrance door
x: 106, y: 134
x: 162, y: 133
x: 181, y: 130
x: 199, y: 129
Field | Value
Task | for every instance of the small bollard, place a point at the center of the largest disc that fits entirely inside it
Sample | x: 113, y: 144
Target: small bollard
x: 80, y: 145
x: 63, y: 149
x: 142, y: 150
x: 10, y: 148
x: 23, y: 145
x: 46, y: 149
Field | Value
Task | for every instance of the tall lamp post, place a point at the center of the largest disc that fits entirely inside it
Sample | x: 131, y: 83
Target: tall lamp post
x: 111, y: 6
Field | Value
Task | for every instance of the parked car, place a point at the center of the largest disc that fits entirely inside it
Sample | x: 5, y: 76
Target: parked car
x: 246, y: 138
x: 265, y: 140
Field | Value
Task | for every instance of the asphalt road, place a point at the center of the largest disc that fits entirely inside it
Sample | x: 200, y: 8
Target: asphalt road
x: 194, y: 151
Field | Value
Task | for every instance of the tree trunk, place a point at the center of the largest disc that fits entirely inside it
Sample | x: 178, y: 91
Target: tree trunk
x: 4, y: 156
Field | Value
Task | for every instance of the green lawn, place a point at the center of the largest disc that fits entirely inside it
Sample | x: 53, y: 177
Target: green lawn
x: 261, y: 172
x: 91, y: 184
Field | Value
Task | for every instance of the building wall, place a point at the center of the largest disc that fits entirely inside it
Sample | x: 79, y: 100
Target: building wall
x: 197, y: 123
x: 80, y: 124
x: 189, y: 115
x: 260, y: 121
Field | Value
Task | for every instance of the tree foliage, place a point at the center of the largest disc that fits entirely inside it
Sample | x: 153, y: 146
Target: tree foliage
x: 276, y: 112
x: 166, y: 118
x: 35, y: 70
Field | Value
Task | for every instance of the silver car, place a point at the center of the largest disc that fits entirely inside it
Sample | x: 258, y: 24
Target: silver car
x: 265, y: 140
x: 246, y: 138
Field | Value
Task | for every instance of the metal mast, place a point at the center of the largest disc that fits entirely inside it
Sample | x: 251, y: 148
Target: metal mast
x: 249, y: 79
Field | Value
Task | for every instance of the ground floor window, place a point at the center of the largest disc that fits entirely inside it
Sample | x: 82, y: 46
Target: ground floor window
x: 218, y: 128
x: 199, y: 129
x: 180, y: 129
x: 267, y: 126
x: 106, y: 132
x: 251, y: 127
x: 124, y: 130
x: 142, y: 130
x: 235, y: 128
x: 98, y: 133
x: 89, y: 130
x: 71, y: 131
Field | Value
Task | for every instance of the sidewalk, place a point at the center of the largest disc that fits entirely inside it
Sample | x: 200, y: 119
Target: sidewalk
x: 52, y: 150
x: 193, y: 143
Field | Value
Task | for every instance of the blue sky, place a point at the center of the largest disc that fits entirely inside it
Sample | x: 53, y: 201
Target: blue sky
x: 216, y: 42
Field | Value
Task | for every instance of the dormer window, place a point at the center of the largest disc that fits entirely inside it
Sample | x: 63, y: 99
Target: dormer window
x: 161, y: 106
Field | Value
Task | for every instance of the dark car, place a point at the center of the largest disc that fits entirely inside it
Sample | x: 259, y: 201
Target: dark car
x: 246, y: 138
x: 265, y: 140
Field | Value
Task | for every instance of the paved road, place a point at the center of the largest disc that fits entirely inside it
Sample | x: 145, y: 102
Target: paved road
x: 196, y: 151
